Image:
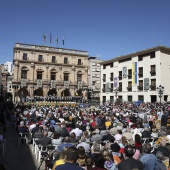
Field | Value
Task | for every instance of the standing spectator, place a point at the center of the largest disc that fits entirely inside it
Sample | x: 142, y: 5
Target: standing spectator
x: 164, y: 119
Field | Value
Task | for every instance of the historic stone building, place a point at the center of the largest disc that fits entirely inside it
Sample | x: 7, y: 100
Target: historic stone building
x: 43, y: 70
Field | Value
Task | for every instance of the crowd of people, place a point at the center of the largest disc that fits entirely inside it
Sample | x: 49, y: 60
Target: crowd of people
x: 106, y: 137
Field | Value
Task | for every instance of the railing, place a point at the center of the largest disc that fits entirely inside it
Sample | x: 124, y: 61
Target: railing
x: 153, y: 88
x: 140, y: 88
x: 129, y: 88
x: 153, y: 73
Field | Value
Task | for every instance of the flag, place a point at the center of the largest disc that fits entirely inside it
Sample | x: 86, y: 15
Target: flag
x: 63, y: 40
x: 50, y: 38
x: 44, y: 37
x: 134, y: 73
x: 57, y: 39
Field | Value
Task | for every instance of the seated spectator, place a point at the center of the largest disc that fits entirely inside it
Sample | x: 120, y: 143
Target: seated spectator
x: 81, y: 156
x: 96, y: 137
x: 51, y: 132
x: 109, y: 164
x: 160, y: 157
x: 148, y: 159
x: 71, y: 157
x: 56, y: 139
x: 162, y: 147
x: 66, y: 142
x: 129, y: 162
x: 95, y: 149
x: 118, y: 136
x: 22, y: 129
x: 111, y: 141
x: 84, y: 144
x: 39, y: 133
x: 115, y: 153
x: 73, y: 138
x: 138, y: 142
x: 63, y: 131
x: 77, y: 131
x: 61, y: 159
x: 99, y: 162
x: 89, y: 163
x: 44, y: 140
x: 128, y: 134
x: 146, y: 133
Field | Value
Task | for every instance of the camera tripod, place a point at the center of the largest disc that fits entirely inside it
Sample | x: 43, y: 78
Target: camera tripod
x: 45, y: 158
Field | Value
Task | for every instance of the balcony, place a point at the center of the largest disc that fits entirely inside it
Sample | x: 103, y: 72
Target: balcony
x: 80, y: 63
x: 153, y: 73
x: 153, y: 88
x: 129, y: 88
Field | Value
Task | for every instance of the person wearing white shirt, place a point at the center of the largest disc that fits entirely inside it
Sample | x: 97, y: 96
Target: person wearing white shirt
x: 77, y: 131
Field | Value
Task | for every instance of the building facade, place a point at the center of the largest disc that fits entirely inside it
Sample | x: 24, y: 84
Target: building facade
x: 43, y: 70
x: 94, y: 78
x: 142, y: 75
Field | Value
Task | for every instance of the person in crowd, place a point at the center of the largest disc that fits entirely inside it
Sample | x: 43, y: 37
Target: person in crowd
x: 57, y: 140
x: 160, y: 157
x: 39, y: 133
x: 73, y: 138
x: 146, y: 133
x: 44, y: 141
x: 89, y: 163
x: 63, y: 131
x: 81, y: 156
x: 138, y: 141
x: 77, y: 131
x: 111, y: 140
x: 84, y: 144
x: 118, y: 136
x: 129, y: 162
x: 70, y: 162
x: 66, y: 142
x: 99, y: 162
x: 148, y: 159
x: 109, y: 163
x: 96, y: 136
x: 164, y: 119
x: 61, y: 159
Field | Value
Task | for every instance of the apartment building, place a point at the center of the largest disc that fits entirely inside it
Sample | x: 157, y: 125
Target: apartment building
x: 43, y: 70
x: 94, y: 78
x: 142, y: 75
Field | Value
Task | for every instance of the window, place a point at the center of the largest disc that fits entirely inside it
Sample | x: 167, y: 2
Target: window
x: 111, y: 87
x: 120, y: 86
x: 129, y: 88
x: 39, y: 75
x: 24, y: 56
x: 79, y: 77
x: 129, y: 73
x: 111, y: 99
x: 111, y: 76
x: 129, y: 98
x: 140, y: 87
x: 66, y: 76
x: 120, y: 75
x: 153, y: 70
x: 140, y: 57
x: 23, y: 74
x: 40, y: 58
x: 153, y: 84
x: 79, y: 62
x: 53, y: 76
x: 65, y: 60
x: 152, y: 55
x: 93, y: 83
x: 93, y: 64
x: 53, y: 59
x: 104, y: 77
x: 140, y: 72
x: 104, y: 88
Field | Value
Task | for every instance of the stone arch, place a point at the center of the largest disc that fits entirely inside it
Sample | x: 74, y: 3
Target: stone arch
x: 78, y: 93
x: 22, y: 93
x: 38, y: 92
x: 65, y: 92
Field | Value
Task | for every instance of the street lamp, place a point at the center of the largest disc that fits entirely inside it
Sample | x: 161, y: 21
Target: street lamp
x: 116, y: 92
x: 160, y: 90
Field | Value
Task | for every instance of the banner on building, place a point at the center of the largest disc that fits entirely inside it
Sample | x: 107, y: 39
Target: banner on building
x: 146, y: 84
x: 66, y: 84
x: 115, y: 82
x: 124, y: 72
x: 39, y: 82
x: 134, y: 73
x: 53, y: 84
x: 23, y: 82
x: 80, y: 84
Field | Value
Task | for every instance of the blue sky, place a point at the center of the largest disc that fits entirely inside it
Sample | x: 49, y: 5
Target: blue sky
x: 104, y: 28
